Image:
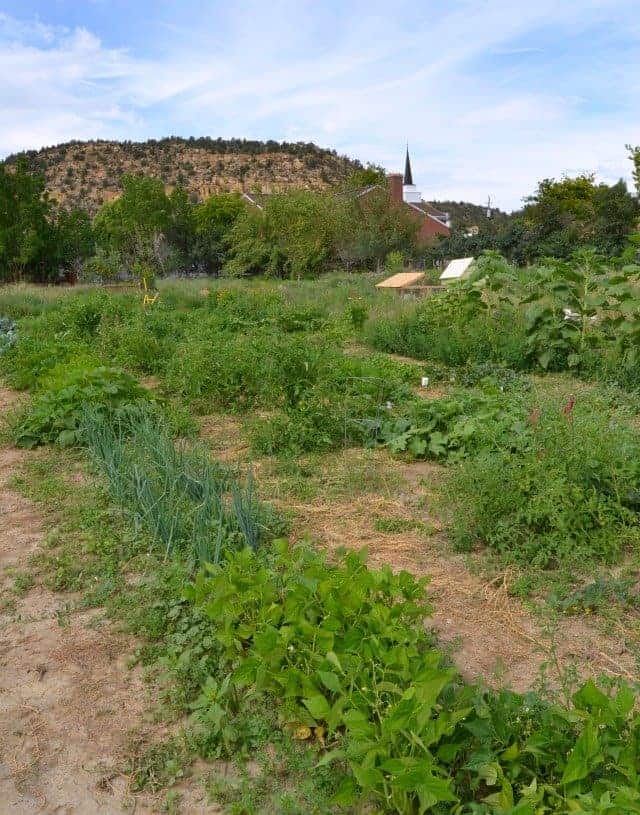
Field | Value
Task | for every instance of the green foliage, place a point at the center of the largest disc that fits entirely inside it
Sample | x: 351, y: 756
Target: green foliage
x: 25, y: 233
x: 394, y: 262
x: 144, y: 227
x: 451, y: 428
x: 142, y: 211
x: 55, y: 414
x: 581, y: 315
x: 295, y: 233
x: 602, y: 594
x: 634, y: 155
x: 564, y: 492
x: 213, y: 219
x: 559, y: 218
x: 340, y: 403
x: 368, y: 176
x: 304, y: 234
x: 345, y: 651
x: 37, y: 240
x: 186, y: 504
x: 74, y: 238
x: 454, y: 328
x: 358, y: 312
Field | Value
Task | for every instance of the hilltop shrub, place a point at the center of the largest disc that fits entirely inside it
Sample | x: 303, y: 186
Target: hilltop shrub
x: 55, y: 414
x: 565, y: 492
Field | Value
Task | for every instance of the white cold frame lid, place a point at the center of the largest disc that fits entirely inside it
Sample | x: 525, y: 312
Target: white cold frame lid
x: 457, y: 269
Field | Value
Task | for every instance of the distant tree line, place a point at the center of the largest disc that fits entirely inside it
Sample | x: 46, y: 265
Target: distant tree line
x: 147, y: 232
x: 559, y: 218
x: 38, y: 159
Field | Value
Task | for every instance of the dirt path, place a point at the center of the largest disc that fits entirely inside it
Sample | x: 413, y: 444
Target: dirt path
x: 67, y: 699
x: 491, y: 634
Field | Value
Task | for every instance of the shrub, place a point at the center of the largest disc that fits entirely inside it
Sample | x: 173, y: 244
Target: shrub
x: 566, y: 492
x: 455, y: 426
x: 275, y: 371
x: 342, y: 404
x: 55, y: 414
x: 141, y: 340
x: 35, y: 354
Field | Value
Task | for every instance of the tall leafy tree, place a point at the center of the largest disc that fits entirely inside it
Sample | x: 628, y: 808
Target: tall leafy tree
x: 213, y: 220
x: 27, y: 236
x: 634, y: 155
x: 74, y: 239
x: 141, y: 212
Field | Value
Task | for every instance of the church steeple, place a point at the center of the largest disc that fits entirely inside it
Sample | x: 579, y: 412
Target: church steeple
x: 408, y: 178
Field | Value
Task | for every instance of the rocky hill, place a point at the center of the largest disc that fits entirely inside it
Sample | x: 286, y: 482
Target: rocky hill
x: 86, y: 174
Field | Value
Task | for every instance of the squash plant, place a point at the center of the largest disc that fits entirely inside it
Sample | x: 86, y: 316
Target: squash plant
x: 55, y: 414
x: 343, y: 653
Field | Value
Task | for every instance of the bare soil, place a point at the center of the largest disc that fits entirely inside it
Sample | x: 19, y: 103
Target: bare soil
x: 68, y: 702
x: 491, y: 635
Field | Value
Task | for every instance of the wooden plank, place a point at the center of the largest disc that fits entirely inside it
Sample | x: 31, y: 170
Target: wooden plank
x: 400, y: 280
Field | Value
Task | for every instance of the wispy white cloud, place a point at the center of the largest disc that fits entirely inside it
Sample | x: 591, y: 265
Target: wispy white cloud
x: 492, y: 95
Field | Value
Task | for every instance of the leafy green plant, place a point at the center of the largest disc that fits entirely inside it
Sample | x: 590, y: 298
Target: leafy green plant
x: 599, y: 595
x: 345, y: 651
x: 55, y: 414
x: 451, y: 428
x: 358, y: 312
x: 565, y: 492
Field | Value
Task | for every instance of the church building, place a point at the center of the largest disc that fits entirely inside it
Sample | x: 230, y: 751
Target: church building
x: 433, y: 222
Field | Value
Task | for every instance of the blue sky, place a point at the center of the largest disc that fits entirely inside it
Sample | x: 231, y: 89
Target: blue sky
x: 492, y: 95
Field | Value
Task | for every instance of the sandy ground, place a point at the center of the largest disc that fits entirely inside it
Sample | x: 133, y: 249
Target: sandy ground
x: 68, y: 702
x: 491, y: 635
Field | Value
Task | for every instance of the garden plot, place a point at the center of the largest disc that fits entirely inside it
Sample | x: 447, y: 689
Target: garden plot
x: 313, y: 448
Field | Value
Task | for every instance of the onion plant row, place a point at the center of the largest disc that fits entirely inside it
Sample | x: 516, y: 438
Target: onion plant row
x: 187, y: 503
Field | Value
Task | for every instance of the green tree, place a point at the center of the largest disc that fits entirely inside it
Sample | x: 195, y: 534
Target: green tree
x: 616, y: 217
x: 304, y: 233
x: 146, y: 228
x: 213, y: 220
x: 634, y: 155
x: 294, y: 236
x: 372, y: 226
x: 74, y: 239
x: 367, y: 177
x: 142, y: 211
x: 27, y: 235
